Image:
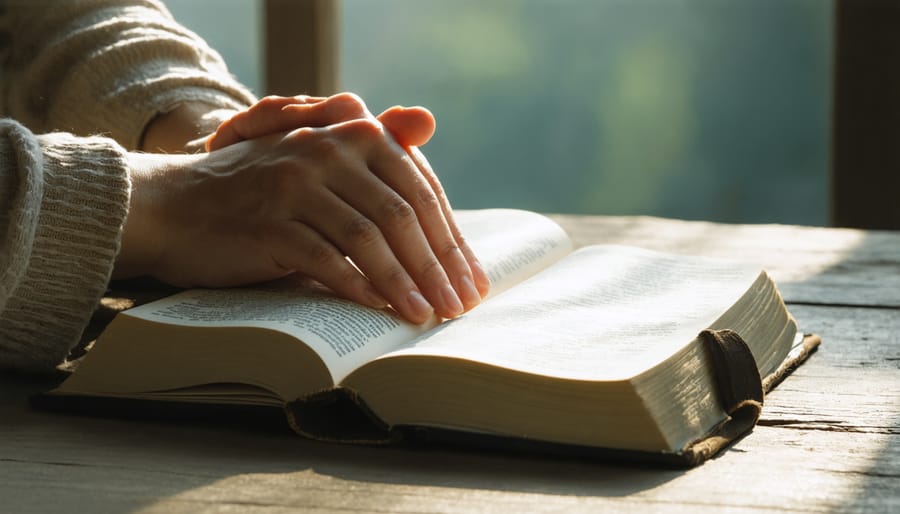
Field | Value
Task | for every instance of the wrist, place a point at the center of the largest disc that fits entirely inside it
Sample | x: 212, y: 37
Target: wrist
x: 153, y: 179
x: 184, y: 129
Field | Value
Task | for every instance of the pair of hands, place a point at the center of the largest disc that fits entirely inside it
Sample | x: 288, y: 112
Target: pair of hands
x: 271, y: 199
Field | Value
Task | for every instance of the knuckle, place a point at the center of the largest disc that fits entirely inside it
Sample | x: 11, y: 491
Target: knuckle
x: 320, y: 253
x: 436, y: 186
x: 449, y: 249
x: 362, y: 231
x: 431, y: 267
x: 328, y: 148
x: 269, y: 102
x: 428, y: 200
x: 396, y: 212
x: 461, y: 242
x: 351, y: 102
x: 364, y: 129
x: 303, y: 137
x: 397, y: 275
x: 304, y: 133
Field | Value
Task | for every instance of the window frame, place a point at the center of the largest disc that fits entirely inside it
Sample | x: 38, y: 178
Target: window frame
x: 301, y: 47
x: 302, y: 52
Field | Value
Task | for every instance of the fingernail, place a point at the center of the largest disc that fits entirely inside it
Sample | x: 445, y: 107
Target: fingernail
x: 451, y: 301
x: 481, y: 277
x: 419, y: 305
x: 468, y: 292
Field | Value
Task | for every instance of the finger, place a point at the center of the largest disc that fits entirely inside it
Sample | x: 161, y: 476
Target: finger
x: 413, y: 127
x: 297, y: 247
x: 399, y: 225
x: 410, y: 126
x: 261, y: 119
x: 399, y: 172
x: 360, y: 239
x: 335, y: 109
x: 482, y: 281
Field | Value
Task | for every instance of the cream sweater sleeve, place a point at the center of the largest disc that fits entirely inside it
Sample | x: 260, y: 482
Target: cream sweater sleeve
x: 63, y: 201
x: 105, y: 67
x: 89, y: 67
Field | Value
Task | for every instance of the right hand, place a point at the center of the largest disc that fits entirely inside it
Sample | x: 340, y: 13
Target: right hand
x: 300, y: 202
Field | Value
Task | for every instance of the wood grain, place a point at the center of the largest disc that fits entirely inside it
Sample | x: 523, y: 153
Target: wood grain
x: 829, y: 438
x: 810, y: 264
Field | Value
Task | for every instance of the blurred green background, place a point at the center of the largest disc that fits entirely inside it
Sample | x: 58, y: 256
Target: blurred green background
x: 696, y: 109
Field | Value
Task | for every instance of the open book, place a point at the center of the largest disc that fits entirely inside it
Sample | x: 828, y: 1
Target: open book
x: 598, y: 347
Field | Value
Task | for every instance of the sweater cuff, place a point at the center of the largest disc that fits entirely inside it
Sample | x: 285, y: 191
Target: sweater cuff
x: 76, y: 236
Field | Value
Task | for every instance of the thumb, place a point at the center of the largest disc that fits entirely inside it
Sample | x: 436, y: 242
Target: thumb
x: 410, y: 126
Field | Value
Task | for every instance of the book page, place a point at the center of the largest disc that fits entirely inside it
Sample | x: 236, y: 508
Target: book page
x: 602, y: 313
x: 344, y: 334
x: 512, y: 245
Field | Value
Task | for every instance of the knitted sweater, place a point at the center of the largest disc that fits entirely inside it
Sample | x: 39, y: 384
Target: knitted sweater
x: 88, y: 68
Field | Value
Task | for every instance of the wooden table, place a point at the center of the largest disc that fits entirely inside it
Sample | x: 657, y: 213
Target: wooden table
x: 829, y: 438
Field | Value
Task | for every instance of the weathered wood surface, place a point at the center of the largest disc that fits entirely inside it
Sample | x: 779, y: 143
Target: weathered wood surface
x: 810, y: 264
x: 829, y: 439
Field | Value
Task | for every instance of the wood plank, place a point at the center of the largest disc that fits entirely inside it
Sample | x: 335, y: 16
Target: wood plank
x: 810, y: 264
x: 830, y: 440
x: 301, y: 47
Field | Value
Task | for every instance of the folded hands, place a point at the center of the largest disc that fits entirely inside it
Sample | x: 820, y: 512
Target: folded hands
x: 299, y: 185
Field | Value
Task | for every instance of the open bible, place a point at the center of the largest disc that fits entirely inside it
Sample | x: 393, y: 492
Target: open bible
x: 603, y: 347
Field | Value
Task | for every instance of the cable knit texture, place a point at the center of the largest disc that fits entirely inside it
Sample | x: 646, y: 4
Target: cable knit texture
x: 69, y: 197
x: 88, y: 67
x: 105, y: 67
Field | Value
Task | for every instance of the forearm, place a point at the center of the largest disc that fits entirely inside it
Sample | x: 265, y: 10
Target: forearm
x: 62, y: 207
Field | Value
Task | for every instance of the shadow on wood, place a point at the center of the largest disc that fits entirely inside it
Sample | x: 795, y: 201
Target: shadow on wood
x: 115, y: 462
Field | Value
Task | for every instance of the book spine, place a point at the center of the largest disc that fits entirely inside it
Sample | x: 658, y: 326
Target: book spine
x: 338, y: 415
